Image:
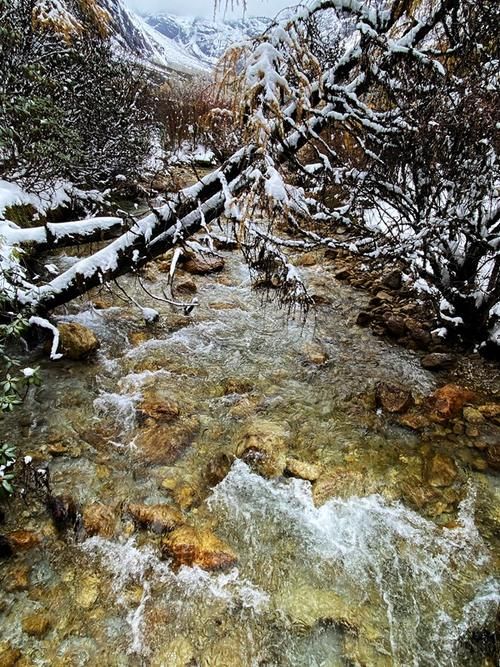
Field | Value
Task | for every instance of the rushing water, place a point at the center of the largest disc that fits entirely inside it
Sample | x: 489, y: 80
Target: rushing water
x: 364, y: 578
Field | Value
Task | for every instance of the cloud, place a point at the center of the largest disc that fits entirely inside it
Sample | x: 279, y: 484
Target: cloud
x: 205, y: 7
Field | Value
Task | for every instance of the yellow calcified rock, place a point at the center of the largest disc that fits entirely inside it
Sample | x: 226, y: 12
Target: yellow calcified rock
x: 308, y: 471
x: 76, y: 341
x: 188, y: 546
x: 262, y: 444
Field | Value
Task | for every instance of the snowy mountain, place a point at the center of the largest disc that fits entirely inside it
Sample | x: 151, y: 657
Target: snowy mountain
x: 203, y: 39
x: 135, y: 38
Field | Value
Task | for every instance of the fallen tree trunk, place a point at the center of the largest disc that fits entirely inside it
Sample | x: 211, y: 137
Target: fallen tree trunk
x: 192, y: 207
x: 62, y: 234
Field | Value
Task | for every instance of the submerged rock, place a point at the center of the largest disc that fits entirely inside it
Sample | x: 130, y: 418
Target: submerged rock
x: 63, y: 511
x: 189, y: 546
x: 9, y: 656
x: 302, y: 470
x: 315, y: 354
x: 392, y: 397
x: 339, y: 483
x: 440, y: 470
x: 262, y: 445
x: 178, y: 653
x: 448, y: 402
x: 36, y: 625
x: 6, y: 548
x: 159, y: 518
x: 473, y: 416
x: 76, y: 341
x: 163, y: 444
x: 159, y: 409
x: 24, y: 540
x: 491, y: 411
x: 306, y: 606
x: 99, y: 520
x: 493, y: 455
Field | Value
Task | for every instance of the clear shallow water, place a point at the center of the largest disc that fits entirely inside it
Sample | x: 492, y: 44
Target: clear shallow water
x: 362, y: 579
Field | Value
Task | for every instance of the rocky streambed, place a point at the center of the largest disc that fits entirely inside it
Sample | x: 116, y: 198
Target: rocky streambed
x: 229, y: 487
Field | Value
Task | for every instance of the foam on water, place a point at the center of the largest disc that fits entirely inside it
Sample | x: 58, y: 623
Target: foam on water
x: 365, y: 547
x: 184, y: 590
x: 120, y: 407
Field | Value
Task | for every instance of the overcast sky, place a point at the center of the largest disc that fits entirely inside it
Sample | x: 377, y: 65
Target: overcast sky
x: 205, y: 7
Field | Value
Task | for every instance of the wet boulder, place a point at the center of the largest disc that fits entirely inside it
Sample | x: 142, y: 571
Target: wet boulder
x: 198, y: 264
x: 262, y: 445
x: 76, y: 341
x: 159, y: 518
x: 99, y: 520
x: 448, y: 402
x: 189, y: 546
x: 393, y: 398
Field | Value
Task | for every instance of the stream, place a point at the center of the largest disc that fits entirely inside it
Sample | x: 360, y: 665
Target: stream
x: 350, y: 570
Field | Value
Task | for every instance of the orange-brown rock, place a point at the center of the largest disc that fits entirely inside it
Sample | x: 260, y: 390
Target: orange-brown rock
x: 99, y: 520
x: 448, y: 401
x: 24, y: 540
x: 189, y: 546
x: 18, y: 579
x: 392, y: 397
x: 163, y: 444
x: 200, y: 264
x: 159, y: 518
x: 440, y: 470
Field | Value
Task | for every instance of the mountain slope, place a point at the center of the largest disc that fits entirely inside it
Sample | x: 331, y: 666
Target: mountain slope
x: 203, y: 39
